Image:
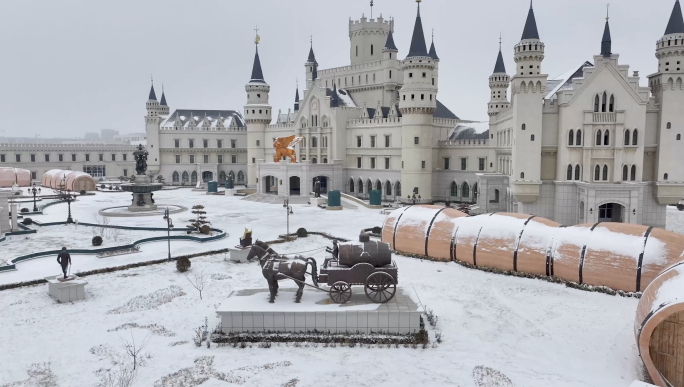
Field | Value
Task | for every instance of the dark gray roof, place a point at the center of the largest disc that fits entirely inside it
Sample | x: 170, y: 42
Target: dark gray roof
x: 418, y: 47
x: 153, y: 96
x: 530, y: 31
x: 296, y: 104
x: 389, y: 45
x: 606, y: 42
x: 499, y: 67
x: 212, y: 115
x: 163, y: 100
x: 312, y: 57
x: 444, y: 112
x: 676, y: 23
x: 334, y: 97
x: 433, y: 52
x: 467, y: 132
x: 314, y: 75
x: 257, y: 74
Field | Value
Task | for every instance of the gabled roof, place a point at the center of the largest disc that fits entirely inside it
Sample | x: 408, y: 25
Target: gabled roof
x: 606, y: 49
x: 499, y: 67
x: 257, y: 73
x: 444, y: 112
x: 564, y: 81
x: 676, y: 23
x: 153, y: 96
x: 433, y: 52
x: 418, y: 47
x: 530, y: 31
x: 389, y: 45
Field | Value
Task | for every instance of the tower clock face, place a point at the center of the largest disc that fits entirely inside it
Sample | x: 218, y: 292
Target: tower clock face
x: 314, y: 106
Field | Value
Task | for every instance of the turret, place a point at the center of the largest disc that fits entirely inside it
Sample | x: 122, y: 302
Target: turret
x: 296, y: 103
x: 163, y: 106
x: 392, y: 69
x: 418, y: 102
x: 528, y: 92
x: 367, y: 39
x: 499, y: 82
x: 152, y: 126
x: 667, y: 87
x: 311, y: 67
x: 257, y: 117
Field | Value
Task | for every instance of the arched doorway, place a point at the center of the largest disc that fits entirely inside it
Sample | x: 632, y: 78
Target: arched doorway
x: 270, y: 185
x: 611, y: 212
x: 207, y: 176
x: 294, y: 186
x: 324, y: 184
x: 222, y: 177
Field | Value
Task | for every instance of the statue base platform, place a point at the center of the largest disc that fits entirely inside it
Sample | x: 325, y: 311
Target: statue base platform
x: 248, y: 310
x: 66, y: 290
x: 230, y: 191
x: 315, y: 202
x: 239, y: 254
x: 148, y: 206
x: 334, y: 208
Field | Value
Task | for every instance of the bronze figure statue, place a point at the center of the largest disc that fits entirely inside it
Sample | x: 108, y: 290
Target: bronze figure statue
x: 275, y: 270
x: 140, y: 160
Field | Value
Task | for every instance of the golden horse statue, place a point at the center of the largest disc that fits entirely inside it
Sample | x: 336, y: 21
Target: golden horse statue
x: 284, y: 147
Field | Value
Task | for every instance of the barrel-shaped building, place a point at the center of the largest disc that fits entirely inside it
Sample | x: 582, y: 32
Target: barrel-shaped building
x: 620, y: 256
x: 68, y: 180
x: 11, y: 176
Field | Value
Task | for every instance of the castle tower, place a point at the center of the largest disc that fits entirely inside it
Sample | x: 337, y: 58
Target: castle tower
x: 498, y: 84
x: 433, y: 55
x: 153, y: 121
x: 296, y: 103
x: 418, y: 102
x: 311, y: 67
x: 668, y: 89
x: 392, y: 68
x: 257, y: 117
x: 529, y: 88
x: 367, y: 39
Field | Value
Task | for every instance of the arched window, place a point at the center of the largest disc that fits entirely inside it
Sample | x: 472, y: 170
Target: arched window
x: 378, y: 186
x: 241, y: 177
x: 571, y: 137
x: 532, y: 137
x: 581, y: 213
x: 522, y: 175
x: 454, y: 189
x: 625, y: 173
x: 193, y: 177
x: 578, y: 173
x: 627, y: 137
x: 314, y: 160
x: 186, y: 177
x: 372, y: 49
x: 496, y: 196
x: 303, y: 142
x: 679, y: 137
x: 222, y: 177
x: 597, y: 173
x: 669, y: 125
x: 325, y: 160
x: 665, y: 176
x: 524, y: 126
x: 635, y: 137
x: 388, y: 188
x: 176, y: 177
x: 603, y: 102
x: 598, y: 137
x: 397, y: 191
x: 465, y: 190
x: 611, y: 106
x: 633, y: 173
x: 360, y: 186
x: 606, y: 137
x: 596, y: 104
x: 314, y: 142
x: 351, y: 185
x: 369, y: 186
x: 605, y: 173
x: 579, y: 137
x: 231, y: 176
x: 569, y: 176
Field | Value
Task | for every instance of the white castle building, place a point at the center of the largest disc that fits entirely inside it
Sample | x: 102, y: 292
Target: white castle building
x: 589, y: 146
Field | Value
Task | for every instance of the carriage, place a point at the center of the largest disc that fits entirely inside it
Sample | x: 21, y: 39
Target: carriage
x: 364, y: 263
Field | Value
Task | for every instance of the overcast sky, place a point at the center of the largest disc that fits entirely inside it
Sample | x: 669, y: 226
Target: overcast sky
x: 75, y: 66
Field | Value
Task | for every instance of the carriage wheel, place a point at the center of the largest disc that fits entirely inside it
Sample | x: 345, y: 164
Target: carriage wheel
x: 340, y: 292
x: 380, y: 287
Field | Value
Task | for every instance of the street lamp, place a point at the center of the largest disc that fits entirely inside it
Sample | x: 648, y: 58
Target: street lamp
x: 288, y: 208
x: 34, y: 191
x: 169, y: 226
x: 66, y: 196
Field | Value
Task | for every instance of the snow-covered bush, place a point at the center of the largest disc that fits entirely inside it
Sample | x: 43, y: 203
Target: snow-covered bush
x: 24, y: 210
x: 302, y: 233
x: 27, y: 221
x: 83, y: 192
x: 183, y: 264
x: 97, y: 240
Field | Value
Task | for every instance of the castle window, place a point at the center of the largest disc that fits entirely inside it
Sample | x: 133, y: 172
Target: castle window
x: 433, y: 81
x: 532, y: 137
x: 465, y: 190
x: 404, y: 98
x: 416, y: 140
x: 176, y: 143
x: 422, y: 97
x: 635, y: 137
x: 579, y: 137
x: 258, y: 95
x: 569, y: 174
x: 604, y: 101
x: 597, y: 100
x: 598, y: 137
x: 597, y: 173
x: 612, y: 104
x: 606, y: 137
x: 258, y: 143
x: 413, y: 97
x: 522, y: 175
x: 410, y: 75
x: 430, y: 97
x: 351, y: 185
x: 578, y: 172
x: 372, y: 51
x: 424, y: 75
x: 454, y: 189
x: 625, y: 172
x: 665, y: 176
x: 627, y: 137
x: 605, y: 173
x: 390, y: 72
x: 571, y: 137
x: 446, y: 163
x: 422, y: 164
x: 390, y: 55
x: 633, y: 172
x: 679, y: 137
x: 669, y: 125
x: 524, y: 126
x: 357, y: 54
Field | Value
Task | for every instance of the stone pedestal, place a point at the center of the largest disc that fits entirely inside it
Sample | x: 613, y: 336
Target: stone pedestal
x: 315, y: 202
x: 231, y: 192
x: 142, y: 191
x: 238, y: 254
x: 71, y: 289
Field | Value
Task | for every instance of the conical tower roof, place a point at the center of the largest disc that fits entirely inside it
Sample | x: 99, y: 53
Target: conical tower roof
x: 499, y: 67
x: 312, y: 56
x: 418, y: 47
x: 530, y: 31
x: 676, y: 23
x: 433, y: 52
x: 389, y: 45
x: 163, y: 99
x: 606, y: 43
x: 257, y: 73
x: 153, y: 96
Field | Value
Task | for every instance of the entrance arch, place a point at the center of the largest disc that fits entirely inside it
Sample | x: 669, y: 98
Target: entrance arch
x: 324, y: 183
x: 270, y: 185
x: 207, y: 176
x: 611, y: 212
x: 295, y: 186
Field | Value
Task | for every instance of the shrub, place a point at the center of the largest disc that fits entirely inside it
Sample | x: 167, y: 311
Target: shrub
x: 206, y: 230
x: 24, y: 210
x: 97, y: 240
x: 377, y: 230
x: 183, y: 264
x: 27, y: 221
x: 83, y: 192
x: 680, y: 207
x: 102, y: 186
x: 301, y: 232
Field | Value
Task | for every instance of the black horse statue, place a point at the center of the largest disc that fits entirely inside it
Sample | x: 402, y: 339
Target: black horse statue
x: 274, y: 270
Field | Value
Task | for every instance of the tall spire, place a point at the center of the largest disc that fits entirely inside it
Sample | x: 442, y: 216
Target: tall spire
x: 499, y: 67
x: 389, y: 45
x: 163, y: 99
x: 676, y: 24
x: 312, y: 56
x: 606, y: 42
x: 433, y: 52
x: 530, y: 31
x: 153, y: 96
x: 257, y: 73
x: 296, y: 103
x: 418, y: 47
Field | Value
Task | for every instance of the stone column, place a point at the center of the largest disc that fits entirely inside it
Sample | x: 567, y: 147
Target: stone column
x: 4, y: 212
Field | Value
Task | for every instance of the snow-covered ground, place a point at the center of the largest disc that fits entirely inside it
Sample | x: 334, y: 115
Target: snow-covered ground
x: 534, y: 332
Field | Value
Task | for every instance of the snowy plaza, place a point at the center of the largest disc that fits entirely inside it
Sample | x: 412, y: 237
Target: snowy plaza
x: 495, y: 328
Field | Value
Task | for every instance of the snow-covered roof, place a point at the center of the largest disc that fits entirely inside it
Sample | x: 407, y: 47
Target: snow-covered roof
x: 564, y: 81
x: 231, y: 118
x: 471, y: 130
x: 345, y: 98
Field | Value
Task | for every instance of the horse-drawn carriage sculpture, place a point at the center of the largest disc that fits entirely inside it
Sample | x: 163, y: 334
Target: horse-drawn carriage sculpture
x: 367, y: 263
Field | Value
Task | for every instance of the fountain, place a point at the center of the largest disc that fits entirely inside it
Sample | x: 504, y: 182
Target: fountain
x: 143, y: 186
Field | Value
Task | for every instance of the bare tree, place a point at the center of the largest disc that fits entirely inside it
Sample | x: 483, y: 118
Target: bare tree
x: 133, y: 350
x: 102, y: 222
x: 115, y: 233
x: 198, y: 281
x: 124, y: 376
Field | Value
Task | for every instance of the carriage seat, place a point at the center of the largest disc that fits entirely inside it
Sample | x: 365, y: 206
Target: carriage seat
x: 246, y: 239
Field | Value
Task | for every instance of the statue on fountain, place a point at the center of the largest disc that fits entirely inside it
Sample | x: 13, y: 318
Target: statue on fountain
x: 143, y: 187
x: 140, y: 160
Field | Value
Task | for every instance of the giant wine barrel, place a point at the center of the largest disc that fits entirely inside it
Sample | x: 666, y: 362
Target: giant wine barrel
x: 376, y: 253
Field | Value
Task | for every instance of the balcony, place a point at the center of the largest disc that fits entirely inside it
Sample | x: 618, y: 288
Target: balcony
x: 604, y: 118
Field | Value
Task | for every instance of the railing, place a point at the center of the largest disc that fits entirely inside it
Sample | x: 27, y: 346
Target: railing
x: 359, y: 66
x: 69, y: 146
x: 373, y: 121
x: 468, y: 142
x: 200, y: 128
x: 605, y: 117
